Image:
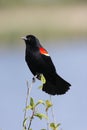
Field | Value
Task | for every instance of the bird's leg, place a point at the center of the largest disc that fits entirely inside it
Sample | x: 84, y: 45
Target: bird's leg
x: 38, y: 76
x: 34, y: 79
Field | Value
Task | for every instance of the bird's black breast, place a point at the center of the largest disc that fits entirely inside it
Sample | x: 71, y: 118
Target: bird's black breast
x: 31, y: 60
x: 39, y: 63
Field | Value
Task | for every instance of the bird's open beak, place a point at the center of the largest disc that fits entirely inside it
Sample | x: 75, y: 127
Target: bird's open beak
x: 23, y: 38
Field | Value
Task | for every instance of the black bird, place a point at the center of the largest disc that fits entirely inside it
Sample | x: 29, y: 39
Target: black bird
x: 39, y: 62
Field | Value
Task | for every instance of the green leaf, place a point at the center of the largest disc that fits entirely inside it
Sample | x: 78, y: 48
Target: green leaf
x: 40, y: 116
x: 54, y: 126
x: 32, y: 104
x: 40, y: 102
x: 28, y: 107
x: 48, y: 104
x: 58, y: 125
x: 43, y: 80
x: 24, y: 123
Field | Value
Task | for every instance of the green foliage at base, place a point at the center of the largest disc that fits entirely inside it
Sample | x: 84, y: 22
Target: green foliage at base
x: 27, y: 122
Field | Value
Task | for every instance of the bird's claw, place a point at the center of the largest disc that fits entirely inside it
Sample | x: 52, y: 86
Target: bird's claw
x: 33, y: 79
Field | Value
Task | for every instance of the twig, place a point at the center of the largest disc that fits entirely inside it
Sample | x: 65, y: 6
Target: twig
x: 26, y: 103
x: 31, y: 118
x: 52, y: 110
x: 47, y: 120
x: 29, y: 87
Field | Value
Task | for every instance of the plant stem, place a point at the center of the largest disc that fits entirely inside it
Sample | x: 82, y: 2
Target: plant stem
x: 52, y: 110
x: 29, y: 87
x: 31, y: 118
x: 26, y: 103
x: 47, y: 120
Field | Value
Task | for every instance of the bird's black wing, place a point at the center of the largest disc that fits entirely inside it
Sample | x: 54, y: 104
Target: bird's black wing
x: 48, y: 64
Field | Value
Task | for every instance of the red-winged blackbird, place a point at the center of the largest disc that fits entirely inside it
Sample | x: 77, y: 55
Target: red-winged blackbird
x: 39, y: 62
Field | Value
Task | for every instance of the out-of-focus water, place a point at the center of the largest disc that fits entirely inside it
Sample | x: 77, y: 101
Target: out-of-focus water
x: 70, y: 109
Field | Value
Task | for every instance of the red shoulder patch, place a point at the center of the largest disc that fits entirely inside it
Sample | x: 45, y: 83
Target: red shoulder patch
x: 43, y: 51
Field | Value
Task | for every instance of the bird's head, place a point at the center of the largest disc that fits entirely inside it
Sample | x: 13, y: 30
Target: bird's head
x: 31, y: 40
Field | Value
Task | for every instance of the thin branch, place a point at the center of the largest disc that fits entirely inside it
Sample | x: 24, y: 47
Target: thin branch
x: 52, y: 110
x: 29, y: 87
x: 31, y: 118
x: 26, y: 103
x: 47, y: 121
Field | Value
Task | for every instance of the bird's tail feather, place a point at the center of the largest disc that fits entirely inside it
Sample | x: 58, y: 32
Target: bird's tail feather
x: 57, y: 87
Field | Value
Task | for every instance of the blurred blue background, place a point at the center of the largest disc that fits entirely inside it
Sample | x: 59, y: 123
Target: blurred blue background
x: 62, y: 30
